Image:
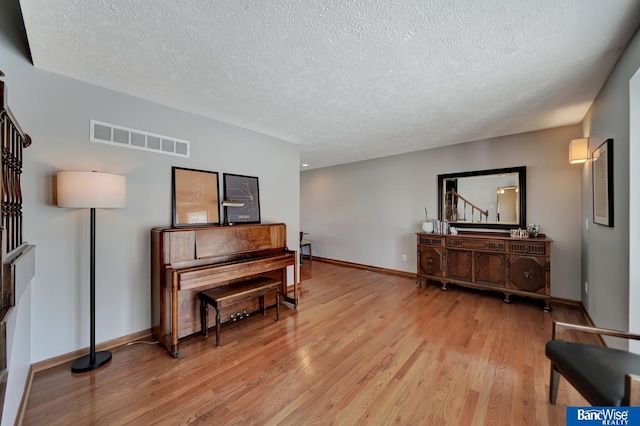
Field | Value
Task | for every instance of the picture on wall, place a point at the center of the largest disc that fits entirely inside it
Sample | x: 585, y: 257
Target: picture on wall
x: 195, y: 197
x: 602, y: 171
x: 243, y: 190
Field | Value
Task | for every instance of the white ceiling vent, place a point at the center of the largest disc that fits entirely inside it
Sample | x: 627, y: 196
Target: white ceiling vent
x: 131, y: 138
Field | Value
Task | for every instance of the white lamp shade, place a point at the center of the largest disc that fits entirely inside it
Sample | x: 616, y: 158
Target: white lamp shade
x: 91, y: 190
x: 578, y: 151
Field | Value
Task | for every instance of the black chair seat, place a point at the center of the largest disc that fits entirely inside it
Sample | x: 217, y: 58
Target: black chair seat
x: 597, y: 372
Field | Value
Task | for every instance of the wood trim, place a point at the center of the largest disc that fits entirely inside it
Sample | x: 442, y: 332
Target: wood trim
x: 591, y: 329
x: 575, y: 304
x: 560, y: 327
x: 71, y: 356
x: 394, y: 272
x: 587, y: 316
x: 591, y: 323
x: 25, y: 397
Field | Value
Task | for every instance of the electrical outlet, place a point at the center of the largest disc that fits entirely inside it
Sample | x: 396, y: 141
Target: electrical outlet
x: 586, y: 223
x: 586, y: 287
x: 404, y: 257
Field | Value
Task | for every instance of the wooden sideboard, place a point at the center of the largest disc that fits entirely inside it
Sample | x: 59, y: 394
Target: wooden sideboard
x: 487, y: 261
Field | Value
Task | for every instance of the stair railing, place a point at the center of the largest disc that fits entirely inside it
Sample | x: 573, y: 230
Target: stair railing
x: 453, y: 195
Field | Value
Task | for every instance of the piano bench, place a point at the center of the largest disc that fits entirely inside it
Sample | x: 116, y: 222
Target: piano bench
x: 221, y: 297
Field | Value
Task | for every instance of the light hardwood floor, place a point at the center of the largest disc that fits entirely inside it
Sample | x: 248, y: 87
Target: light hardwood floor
x: 362, y: 348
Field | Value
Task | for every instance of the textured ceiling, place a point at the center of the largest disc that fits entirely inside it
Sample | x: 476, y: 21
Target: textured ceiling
x: 346, y: 80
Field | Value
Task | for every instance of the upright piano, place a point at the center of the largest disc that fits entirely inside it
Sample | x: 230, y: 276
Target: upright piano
x: 188, y: 260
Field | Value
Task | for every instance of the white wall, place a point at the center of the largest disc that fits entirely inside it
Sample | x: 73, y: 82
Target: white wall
x: 634, y: 210
x: 56, y: 111
x: 368, y: 212
x: 606, y: 250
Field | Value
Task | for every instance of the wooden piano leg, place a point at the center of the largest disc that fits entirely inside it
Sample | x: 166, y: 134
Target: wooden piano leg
x: 296, y: 288
x: 263, y: 302
x: 174, y: 315
x: 217, y: 326
x: 277, y: 305
x: 204, y: 317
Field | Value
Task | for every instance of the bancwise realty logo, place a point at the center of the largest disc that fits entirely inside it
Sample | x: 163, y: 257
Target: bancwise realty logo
x: 626, y: 416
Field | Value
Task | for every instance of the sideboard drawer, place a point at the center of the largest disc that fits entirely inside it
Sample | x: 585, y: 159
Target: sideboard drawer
x: 528, y: 247
x: 478, y: 244
x: 434, y: 240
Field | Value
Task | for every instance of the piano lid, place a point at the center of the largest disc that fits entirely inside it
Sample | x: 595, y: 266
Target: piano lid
x: 191, y: 243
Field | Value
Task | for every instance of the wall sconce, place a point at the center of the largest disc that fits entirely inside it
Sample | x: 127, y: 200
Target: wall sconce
x: 578, y: 151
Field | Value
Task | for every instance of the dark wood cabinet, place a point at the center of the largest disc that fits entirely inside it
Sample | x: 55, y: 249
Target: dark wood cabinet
x: 459, y: 265
x: 431, y: 260
x: 487, y: 261
x: 490, y: 268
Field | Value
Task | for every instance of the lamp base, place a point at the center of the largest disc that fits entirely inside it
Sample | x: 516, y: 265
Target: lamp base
x: 84, y: 364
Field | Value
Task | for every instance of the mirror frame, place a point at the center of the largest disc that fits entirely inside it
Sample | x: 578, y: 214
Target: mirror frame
x: 522, y: 179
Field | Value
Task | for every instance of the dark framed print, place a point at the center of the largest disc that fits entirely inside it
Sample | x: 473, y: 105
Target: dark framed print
x: 242, y: 196
x: 602, y: 172
x: 195, y: 197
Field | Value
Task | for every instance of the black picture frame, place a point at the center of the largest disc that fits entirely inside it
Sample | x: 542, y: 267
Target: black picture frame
x: 602, y: 173
x: 195, y: 197
x: 243, y: 189
x: 520, y: 171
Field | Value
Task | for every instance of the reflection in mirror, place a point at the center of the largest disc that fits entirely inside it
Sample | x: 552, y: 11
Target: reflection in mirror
x: 486, y: 198
x: 507, y: 209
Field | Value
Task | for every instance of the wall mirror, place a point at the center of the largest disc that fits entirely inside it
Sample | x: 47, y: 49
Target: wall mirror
x: 493, y: 199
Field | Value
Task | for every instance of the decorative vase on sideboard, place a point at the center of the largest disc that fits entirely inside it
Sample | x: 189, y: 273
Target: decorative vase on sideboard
x: 427, y: 227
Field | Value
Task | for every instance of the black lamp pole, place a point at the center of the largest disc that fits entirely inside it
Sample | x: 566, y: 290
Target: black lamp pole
x: 94, y: 359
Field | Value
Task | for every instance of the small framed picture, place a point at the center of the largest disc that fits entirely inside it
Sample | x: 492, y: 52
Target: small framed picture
x: 195, y: 197
x: 242, y: 199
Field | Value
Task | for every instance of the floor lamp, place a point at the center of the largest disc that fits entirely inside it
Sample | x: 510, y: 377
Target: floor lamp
x: 91, y: 190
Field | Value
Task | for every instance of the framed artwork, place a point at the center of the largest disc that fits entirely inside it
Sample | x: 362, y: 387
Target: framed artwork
x: 242, y: 196
x: 195, y: 197
x: 602, y: 172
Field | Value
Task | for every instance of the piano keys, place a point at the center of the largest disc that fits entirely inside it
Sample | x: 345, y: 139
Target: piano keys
x: 188, y: 260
